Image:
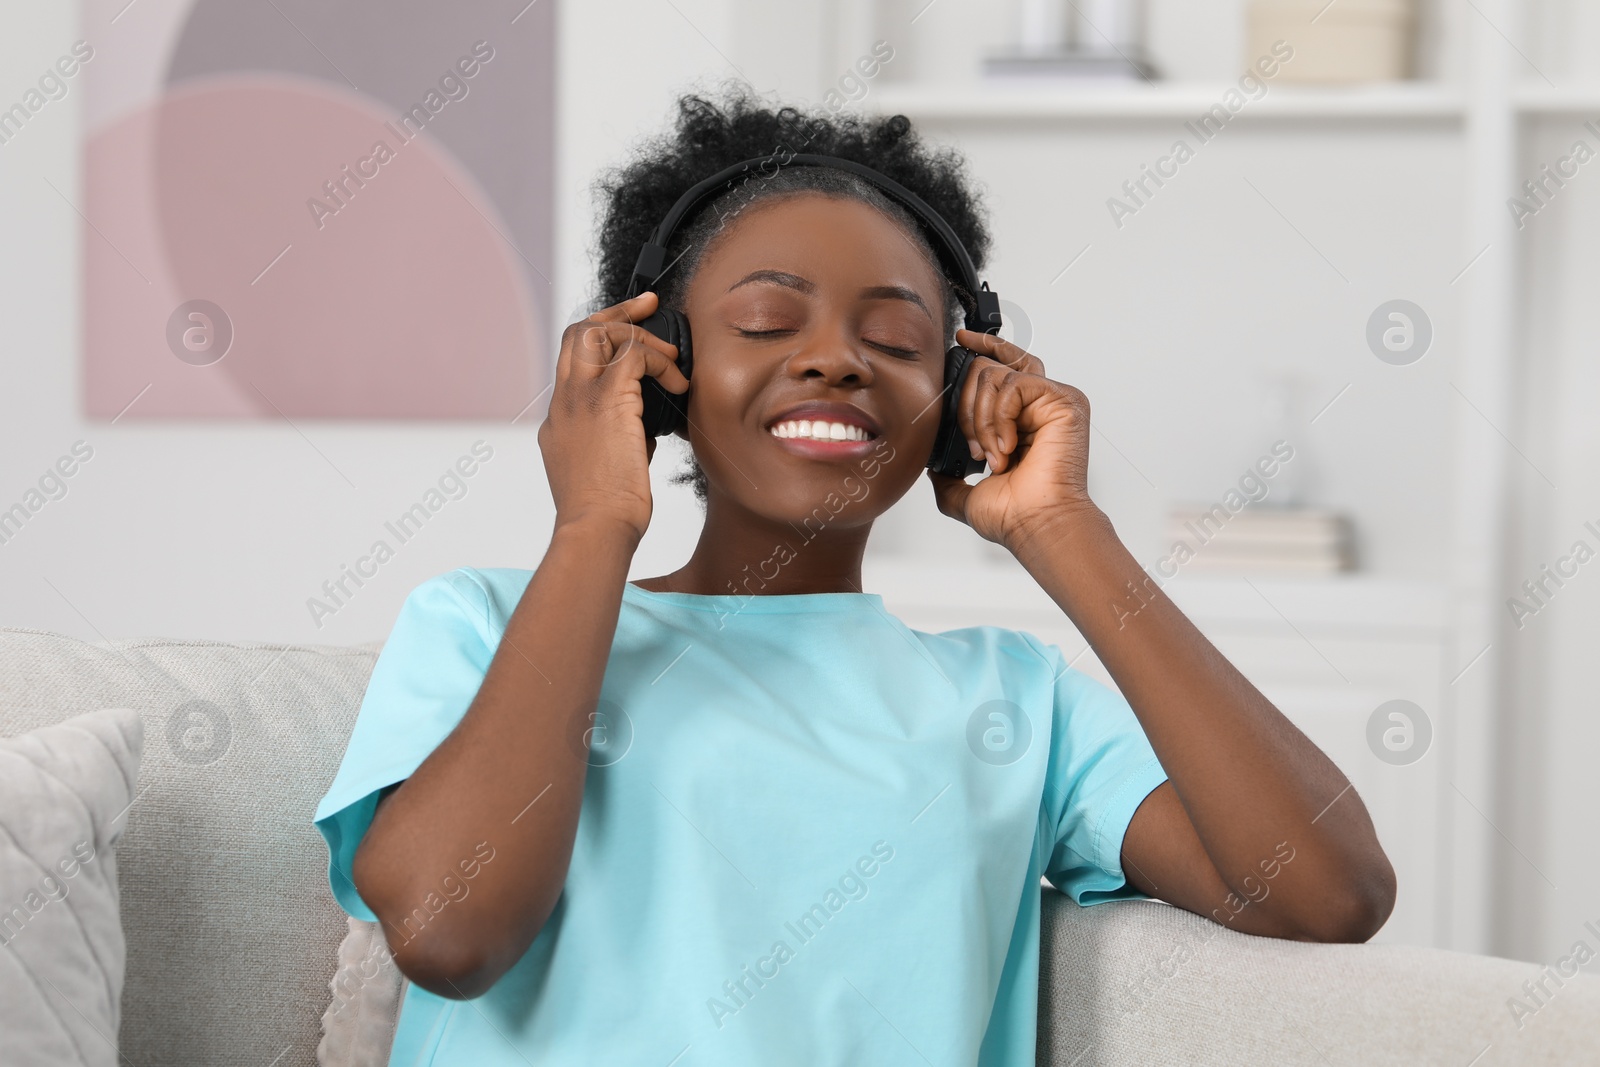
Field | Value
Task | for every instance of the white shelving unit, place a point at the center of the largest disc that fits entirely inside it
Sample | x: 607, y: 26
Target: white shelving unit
x: 998, y: 100
x: 1453, y: 633
x: 1539, y: 99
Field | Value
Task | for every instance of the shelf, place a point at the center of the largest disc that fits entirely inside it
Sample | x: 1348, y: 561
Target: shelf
x: 1016, y: 99
x: 1040, y: 99
x: 1537, y: 99
x: 1348, y: 601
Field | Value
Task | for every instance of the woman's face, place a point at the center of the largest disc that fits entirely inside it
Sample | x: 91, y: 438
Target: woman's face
x: 805, y: 300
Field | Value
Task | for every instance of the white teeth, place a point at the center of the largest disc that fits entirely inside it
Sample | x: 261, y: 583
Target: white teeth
x: 820, y: 430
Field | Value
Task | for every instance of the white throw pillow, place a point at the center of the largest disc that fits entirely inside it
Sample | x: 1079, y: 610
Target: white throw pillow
x: 65, y: 793
x: 358, y: 1027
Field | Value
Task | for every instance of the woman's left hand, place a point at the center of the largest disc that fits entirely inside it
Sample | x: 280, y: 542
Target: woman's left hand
x: 1034, y: 433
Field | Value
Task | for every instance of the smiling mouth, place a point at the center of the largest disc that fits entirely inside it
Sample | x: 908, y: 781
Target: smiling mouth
x: 821, y: 431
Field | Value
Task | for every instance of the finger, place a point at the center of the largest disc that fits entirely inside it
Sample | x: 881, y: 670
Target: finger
x: 983, y: 418
x: 601, y: 344
x: 966, y: 408
x: 640, y: 361
x: 1008, y: 410
x: 626, y: 337
x: 592, y: 352
x: 649, y: 448
x: 1003, y: 352
x: 665, y: 370
x: 950, y: 494
x: 625, y: 313
x: 633, y: 309
x: 996, y: 348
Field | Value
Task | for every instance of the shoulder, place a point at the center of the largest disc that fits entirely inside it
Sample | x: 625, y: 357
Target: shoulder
x: 490, y: 580
x: 1025, y: 657
x: 476, y: 598
x: 994, y: 640
x: 1002, y: 649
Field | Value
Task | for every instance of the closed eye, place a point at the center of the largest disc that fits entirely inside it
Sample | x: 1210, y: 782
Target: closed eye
x: 906, y: 353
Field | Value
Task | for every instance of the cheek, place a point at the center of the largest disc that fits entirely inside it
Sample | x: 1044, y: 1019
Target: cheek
x: 725, y: 387
x: 924, y: 403
x: 912, y: 404
x: 724, y: 395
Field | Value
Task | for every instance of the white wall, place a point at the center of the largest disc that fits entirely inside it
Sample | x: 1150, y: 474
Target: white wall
x: 223, y: 529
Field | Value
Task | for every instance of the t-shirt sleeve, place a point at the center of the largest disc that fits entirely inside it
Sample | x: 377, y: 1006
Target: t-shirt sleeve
x: 429, y: 670
x: 1101, y: 768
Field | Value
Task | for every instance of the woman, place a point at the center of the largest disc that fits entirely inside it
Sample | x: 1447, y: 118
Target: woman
x: 739, y: 813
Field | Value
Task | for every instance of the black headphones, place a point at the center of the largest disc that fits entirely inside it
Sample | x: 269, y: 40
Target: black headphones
x: 666, y: 412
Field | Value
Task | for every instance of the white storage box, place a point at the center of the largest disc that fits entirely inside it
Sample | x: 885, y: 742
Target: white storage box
x: 1350, y: 41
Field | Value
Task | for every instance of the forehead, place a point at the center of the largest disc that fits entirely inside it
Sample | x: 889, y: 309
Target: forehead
x: 836, y: 242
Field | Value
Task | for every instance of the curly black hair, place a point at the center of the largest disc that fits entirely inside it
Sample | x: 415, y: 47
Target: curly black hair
x: 711, y: 134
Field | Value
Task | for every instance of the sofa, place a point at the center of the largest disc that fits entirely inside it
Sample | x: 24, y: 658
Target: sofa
x: 232, y: 935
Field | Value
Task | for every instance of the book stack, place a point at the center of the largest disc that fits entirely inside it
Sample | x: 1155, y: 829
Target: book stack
x: 1260, y: 538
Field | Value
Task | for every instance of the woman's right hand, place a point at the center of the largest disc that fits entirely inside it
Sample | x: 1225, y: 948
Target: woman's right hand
x: 596, y: 453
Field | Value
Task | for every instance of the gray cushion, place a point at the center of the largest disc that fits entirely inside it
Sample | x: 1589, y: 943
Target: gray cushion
x: 231, y: 932
x: 358, y: 1027
x: 65, y: 790
x: 1136, y: 982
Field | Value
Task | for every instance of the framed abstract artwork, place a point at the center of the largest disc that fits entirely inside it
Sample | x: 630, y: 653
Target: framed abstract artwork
x: 293, y: 208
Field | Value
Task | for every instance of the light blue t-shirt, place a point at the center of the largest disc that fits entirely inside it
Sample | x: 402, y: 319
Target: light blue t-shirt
x: 809, y: 834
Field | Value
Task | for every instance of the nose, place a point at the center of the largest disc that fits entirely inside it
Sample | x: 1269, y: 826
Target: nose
x: 835, y: 356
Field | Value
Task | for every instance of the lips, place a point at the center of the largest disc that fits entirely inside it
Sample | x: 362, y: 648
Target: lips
x: 826, y: 411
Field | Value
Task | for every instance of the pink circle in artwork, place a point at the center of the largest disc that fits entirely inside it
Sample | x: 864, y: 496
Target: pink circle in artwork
x: 355, y: 259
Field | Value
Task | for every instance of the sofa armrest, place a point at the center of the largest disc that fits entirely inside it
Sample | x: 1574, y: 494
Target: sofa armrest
x: 1142, y: 982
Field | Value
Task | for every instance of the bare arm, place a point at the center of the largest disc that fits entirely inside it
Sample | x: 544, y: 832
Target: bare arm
x: 1255, y: 826
x: 507, y: 783
x: 509, y: 776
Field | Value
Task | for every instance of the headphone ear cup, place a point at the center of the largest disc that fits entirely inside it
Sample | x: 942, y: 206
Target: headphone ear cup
x: 950, y: 453
x: 667, y: 412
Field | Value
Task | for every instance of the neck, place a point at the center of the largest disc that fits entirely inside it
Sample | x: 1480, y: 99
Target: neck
x: 745, y: 554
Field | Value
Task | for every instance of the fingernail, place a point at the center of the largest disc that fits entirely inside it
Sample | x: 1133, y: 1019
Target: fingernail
x: 973, y: 448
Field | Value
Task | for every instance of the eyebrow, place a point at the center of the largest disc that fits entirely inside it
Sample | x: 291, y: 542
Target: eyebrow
x: 805, y: 285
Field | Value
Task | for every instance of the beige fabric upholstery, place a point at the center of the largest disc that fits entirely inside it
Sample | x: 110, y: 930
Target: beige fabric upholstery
x: 1140, y: 982
x: 65, y: 790
x: 358, y: 1027
x: 233, y: 935
x: 231, y: 931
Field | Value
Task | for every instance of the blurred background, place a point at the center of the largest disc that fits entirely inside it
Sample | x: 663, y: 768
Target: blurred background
x: 1318, y: 265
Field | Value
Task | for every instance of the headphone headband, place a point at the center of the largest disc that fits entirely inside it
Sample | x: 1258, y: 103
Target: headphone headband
x: 652, y: 262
